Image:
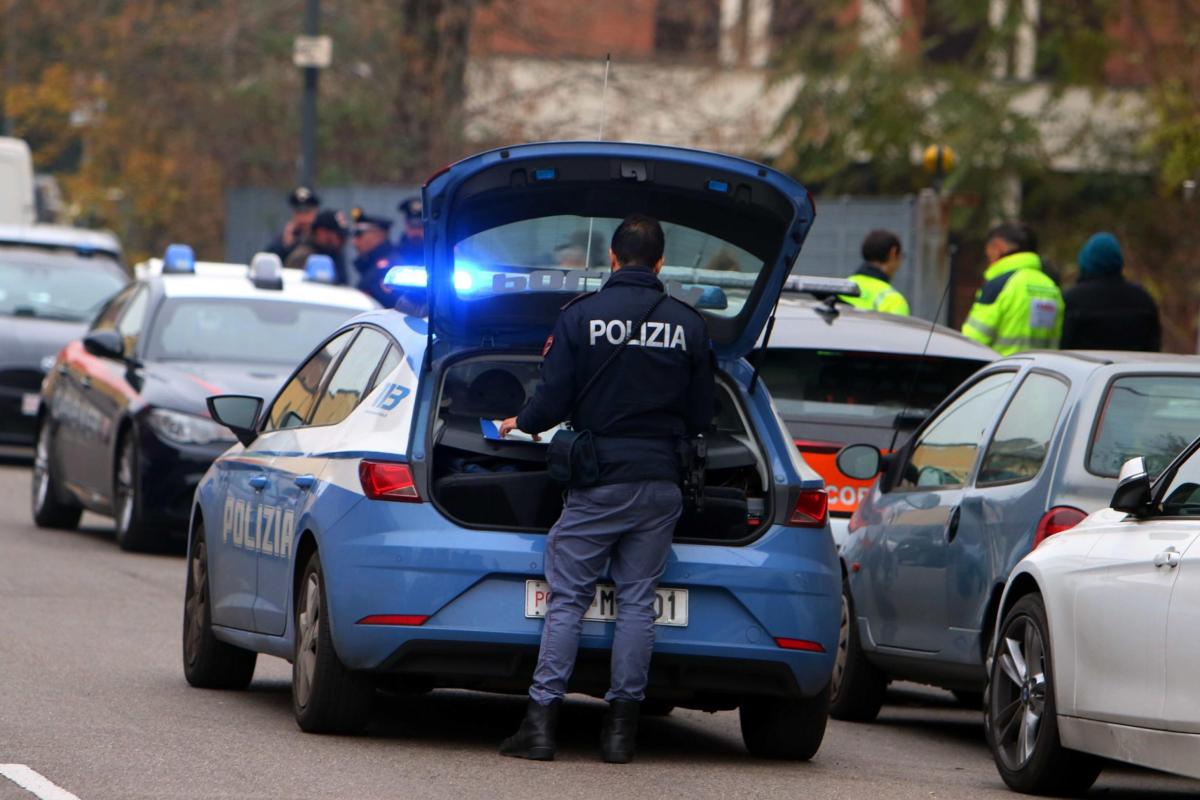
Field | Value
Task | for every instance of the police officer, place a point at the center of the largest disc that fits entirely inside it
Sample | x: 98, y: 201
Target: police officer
x: 657, y: 390
x: 1019, y: 307
x: 329, y: 231
x: 375, y: 252
x: 304, y: 203
x: 881, y: 258
x: 410, y: 249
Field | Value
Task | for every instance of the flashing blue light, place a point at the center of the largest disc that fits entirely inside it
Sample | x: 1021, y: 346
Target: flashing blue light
x: 179, y: 259
x: 410, y: 277
x: 319, y: 269
x: 545, y: 174
x: 719, y: 186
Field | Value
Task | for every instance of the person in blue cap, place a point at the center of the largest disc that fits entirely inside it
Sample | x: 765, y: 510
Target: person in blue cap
x: 410, y: 248
x: 1103, y: 310
x: 375, y: 254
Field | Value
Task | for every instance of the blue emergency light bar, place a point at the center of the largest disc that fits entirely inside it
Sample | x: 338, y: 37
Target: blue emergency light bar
x: 179, y: 259
x: 319, y: 268
x: 408, y: 276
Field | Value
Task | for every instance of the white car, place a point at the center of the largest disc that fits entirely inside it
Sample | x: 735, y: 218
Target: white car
x: 1098, y: 649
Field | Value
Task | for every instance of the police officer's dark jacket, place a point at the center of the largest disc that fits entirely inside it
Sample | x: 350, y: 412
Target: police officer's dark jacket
x: 372, y: 266
x: 658, y: 390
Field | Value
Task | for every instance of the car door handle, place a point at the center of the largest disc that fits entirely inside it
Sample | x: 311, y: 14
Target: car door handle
x: 1168, y: 558
x: 305, y: 481
x: 952, y: 524
x: 259, y: 482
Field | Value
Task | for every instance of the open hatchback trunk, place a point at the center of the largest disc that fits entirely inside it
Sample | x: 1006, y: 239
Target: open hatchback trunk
x: 512, y: 234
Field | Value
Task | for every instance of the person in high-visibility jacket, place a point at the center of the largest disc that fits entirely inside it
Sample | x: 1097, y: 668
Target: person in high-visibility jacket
x: 1019, y: 307
x: 881, y: 258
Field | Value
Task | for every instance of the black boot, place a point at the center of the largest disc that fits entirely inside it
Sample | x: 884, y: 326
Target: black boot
x: 535, y: 738
x: 618, y: 737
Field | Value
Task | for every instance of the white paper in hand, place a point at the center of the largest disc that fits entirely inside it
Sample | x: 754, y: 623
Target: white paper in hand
x: 491, y: 431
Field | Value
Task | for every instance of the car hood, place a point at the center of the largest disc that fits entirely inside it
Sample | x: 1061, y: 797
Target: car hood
x: 25, y: 341
x: 749, y: 206
x: 185, y: 385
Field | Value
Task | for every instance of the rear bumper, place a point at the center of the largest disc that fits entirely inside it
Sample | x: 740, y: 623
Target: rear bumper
x: 471, y: 586
x: 695, y: 681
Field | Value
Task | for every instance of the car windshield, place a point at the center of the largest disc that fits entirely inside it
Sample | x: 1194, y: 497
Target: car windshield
x: 1154, y: 416
x: 570, y: 253
x: 859, y: 388
x: 242, y: 329
x: 54, y: 286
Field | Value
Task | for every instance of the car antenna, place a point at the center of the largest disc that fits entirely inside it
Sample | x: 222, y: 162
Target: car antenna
x: 587, y: 259
x: 912, y: 386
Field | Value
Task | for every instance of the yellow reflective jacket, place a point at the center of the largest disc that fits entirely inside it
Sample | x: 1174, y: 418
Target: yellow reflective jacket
x: 1018, y: 308
x: 877, y: 292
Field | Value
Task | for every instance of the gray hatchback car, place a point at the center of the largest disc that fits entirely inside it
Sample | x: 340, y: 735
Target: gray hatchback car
x: 1024, y: 449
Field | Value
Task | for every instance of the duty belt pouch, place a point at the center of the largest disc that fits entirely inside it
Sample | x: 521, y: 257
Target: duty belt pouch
x: 571, y: 459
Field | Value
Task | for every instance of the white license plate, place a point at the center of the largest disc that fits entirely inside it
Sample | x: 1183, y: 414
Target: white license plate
x: 29, y: 404
x: 671, y: 604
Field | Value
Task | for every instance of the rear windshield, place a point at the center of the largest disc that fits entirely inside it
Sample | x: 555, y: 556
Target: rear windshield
x: 1154, y: 416
x: 244, y: 330
x: 859, y: 388
x: 570, y: 253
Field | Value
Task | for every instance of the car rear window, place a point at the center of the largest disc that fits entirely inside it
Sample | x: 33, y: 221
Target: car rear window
x: 859, y: 388
x: 1154, y: 416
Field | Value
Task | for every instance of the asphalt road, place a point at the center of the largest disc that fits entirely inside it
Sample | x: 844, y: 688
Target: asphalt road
x: 92, y: 697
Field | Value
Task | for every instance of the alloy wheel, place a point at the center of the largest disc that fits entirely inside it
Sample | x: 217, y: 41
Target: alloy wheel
x: 1019, y: 693
x: 308, y: 627
x: 41, y: 471
x: 196, y: 604
x: 843, y: 648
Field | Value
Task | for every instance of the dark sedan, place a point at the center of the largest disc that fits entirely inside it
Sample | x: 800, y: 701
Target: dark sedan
x: 50, y: 287
x: 122, y: 426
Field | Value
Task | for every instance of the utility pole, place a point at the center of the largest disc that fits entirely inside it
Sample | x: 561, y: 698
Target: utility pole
x: 308, y: 114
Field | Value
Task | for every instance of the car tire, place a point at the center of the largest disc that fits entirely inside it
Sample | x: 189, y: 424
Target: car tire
x: 208, y: 663
x: 1020, y: 718
x: 784, y: 728
x: 858, y: 687
x: 132, y: 532
x: 49, y: 510
x: 966, y: 699
x: 326, y: 696
x: 657, y: 708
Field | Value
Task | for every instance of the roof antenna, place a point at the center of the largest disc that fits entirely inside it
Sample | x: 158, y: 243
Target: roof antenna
x: 587, y: 259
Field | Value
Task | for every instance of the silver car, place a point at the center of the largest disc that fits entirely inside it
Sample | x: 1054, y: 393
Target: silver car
x: 1023, y: 450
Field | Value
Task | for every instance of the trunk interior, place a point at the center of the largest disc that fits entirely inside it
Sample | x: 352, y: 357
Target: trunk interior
x: 482, y: 483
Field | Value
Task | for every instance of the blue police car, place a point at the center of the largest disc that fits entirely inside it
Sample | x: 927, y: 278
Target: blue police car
x: 370, y: 529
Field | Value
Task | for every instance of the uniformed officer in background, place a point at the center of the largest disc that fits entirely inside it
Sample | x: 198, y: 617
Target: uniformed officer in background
x: 329, y: 231
x: 375, y: 254
x: 657, y: 390
x: 881, y: 258
x: 304, y: 203
x: 1019, y: 307
x: 410, y: 248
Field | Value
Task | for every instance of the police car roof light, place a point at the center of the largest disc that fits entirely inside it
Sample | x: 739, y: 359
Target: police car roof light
x: 179, y: 259
x: 820, y: 286
x: 319, y: 269
x: 266, y: 271
x: 407, y: 277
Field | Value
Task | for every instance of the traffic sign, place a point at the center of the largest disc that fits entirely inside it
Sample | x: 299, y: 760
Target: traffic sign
x: 313, y: 52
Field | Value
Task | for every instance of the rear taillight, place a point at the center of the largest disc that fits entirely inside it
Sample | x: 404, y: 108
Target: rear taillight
x: 799, y: 644
x: 811, y: 509
x: 386, y: 480
x: 1057, y: 520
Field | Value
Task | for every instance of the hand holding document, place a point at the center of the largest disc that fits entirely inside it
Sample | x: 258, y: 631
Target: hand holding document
x: 491, y: 431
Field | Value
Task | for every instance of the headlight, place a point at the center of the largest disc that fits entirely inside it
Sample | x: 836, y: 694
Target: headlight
x: 183, y: 428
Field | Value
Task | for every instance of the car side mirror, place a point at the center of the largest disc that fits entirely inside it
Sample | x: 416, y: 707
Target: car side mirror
x: 105, y: 344
x: 1133, y: 487
x: 860, y: 461
x: 238, y: 412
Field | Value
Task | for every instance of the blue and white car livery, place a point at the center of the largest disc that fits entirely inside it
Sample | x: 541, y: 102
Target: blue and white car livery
x: 367, y: 530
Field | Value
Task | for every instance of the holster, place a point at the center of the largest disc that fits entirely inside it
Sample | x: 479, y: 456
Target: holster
x: 571, y: 459
x: 693, y: 457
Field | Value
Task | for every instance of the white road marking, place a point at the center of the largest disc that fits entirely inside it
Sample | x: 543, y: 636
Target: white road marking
x: 31, y: 781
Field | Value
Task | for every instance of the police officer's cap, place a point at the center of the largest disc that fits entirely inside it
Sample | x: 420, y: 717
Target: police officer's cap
x: 411, y: 208
x: 331, y: 220
x: 362, y: 221
x: 303, y: 197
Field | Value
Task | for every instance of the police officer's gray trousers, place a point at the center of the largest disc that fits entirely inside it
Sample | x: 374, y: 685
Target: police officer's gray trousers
x: 632, y: 524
